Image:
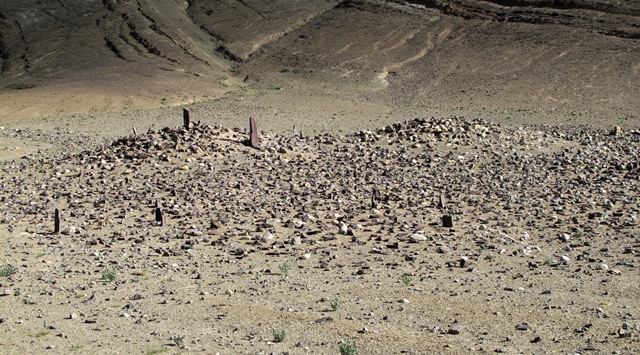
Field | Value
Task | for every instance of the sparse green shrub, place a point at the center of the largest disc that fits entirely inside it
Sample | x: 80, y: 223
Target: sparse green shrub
x: 548, y: 260
x: 110, y: 274
x: 279, y: 335
x: 179, y: 341
x: 7, y: 271
x: 285, y: 267
x: 335, y: 303
x: 406, y: 280
x: 349, y: 347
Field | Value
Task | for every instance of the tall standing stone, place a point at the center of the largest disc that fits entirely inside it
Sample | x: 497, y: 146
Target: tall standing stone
x: 441, y: 201
x: 159, y: 216
x: 254, y: 140
x: 57, y: 221
x: 186, y: 118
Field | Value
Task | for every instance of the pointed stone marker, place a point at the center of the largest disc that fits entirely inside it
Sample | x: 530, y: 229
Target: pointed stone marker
x: 447, y: 221
x: 159, y: 216
x: 186, y: 117
x: 254, y: 140
x: 376, y: 193
x: 57, y: 221
x: 441, y: 201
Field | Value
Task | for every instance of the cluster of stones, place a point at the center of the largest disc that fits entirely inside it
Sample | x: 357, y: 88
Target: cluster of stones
x: 416, y: 181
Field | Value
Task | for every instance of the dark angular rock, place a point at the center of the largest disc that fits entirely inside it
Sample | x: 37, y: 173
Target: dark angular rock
x: 447, y: 221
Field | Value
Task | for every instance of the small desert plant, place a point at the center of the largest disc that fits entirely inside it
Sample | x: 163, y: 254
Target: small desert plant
x: 548, y: 260
x: 41, y: 333
x: 110, y: 274
x: 156, y: 351
x: 78, y: 347
x: 279, y: 335
x: 406, y: 280
x: 179, y: 341
x: 335, y: 303
x: 579, y: 234
x: 285, y: 267
x: 7, y: 271
x: 349, y: 347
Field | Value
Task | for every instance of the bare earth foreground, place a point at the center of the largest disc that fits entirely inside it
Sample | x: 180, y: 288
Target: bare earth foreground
x: 330, y: 237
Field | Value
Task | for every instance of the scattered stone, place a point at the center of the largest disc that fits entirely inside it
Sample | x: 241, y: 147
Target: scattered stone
x: 323, y: 320
x: 455, y: 329
x: 523, y: 326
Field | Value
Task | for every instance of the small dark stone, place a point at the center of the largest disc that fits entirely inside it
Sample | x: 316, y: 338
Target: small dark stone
x: 455, y: 329
x: 323, y: 320
x: 447, y: 221
x: 523, y: 326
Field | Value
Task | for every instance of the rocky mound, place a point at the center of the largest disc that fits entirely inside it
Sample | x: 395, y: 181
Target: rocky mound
x: 424, y: 196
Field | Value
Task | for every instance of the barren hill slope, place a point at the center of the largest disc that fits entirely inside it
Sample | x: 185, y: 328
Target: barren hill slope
x: 375, y: 61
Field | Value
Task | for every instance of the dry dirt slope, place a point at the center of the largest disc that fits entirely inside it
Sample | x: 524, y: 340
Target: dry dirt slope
x: 519, y: 60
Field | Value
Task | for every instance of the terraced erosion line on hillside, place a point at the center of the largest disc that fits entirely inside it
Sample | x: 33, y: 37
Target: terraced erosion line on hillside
x: 621, y: 20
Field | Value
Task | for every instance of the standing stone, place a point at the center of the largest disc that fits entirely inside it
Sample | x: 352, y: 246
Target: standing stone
x: 57, y: 220
x: 376, y: 193
x: 159, y: 216
x: 186, y: 118
x: 447, y: 221
x: 441, y: 201
x: 254, y: 140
